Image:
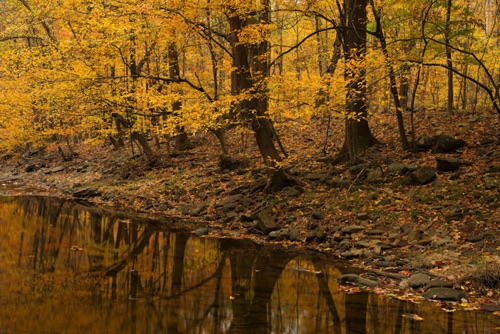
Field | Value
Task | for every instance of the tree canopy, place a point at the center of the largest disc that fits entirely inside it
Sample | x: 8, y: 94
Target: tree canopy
x: 75, y: 70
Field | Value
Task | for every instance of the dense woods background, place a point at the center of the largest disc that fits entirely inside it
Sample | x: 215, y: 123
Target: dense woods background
x: 109, y: 71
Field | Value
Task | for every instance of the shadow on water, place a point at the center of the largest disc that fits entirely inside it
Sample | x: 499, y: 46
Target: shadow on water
x: 67, y: 268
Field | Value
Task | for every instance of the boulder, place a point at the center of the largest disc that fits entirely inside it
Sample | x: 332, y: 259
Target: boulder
x: 396, y: 168
x: 201, y: 231
x: 194, y: 210
x: 265, y: 221
x: 423, y: 175
x: 446, y: 164
x: 418, y: 280
x: 446, y: 143
x: 86, y: 193
x: 374, y: 176
x: 446, y: 294
x: 425, y: 143
x: 438, y: 283
x: 352, y: 229
x: 337, y: 182
x: 321, y: 234
x: 352, y: 253
x: 318, y: 215
x: 294, y: 234
x: 355, y: 279
x: 275, y: 235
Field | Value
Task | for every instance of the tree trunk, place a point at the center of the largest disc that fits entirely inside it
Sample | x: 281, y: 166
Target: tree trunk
x: 148, y: 152
x: 449, y: 62
x: 248, y: 77
x: 358, y: 136
x: 181, y: 138
x: 392, y: 77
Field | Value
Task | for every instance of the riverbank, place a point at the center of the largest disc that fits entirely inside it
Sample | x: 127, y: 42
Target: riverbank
x: 435, y: 212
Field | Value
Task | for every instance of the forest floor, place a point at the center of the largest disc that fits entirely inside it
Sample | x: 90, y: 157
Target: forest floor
x: 372, y: 214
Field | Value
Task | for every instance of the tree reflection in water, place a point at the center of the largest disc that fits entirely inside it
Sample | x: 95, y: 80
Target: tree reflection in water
x: 67, y: 268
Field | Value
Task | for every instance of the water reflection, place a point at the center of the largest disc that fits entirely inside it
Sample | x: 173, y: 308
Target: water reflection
x: 66, y: 268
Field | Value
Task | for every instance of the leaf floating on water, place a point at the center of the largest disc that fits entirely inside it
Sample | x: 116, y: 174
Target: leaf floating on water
x: 414, y: 317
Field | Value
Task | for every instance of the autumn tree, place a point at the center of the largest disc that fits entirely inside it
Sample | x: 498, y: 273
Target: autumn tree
x: 358, y: 136
x: 248, y: 81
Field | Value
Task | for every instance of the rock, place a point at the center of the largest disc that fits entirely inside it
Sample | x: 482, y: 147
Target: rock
x: 377, y: 249
x: 475, y: 237
x: 425, y: 143
x: 31, y: 168
x: 446, y: 143
x: 194, y: 210
x: 362, y: 244
x: 352, y: 253
x: 374, y: 176
x: 446, y: 294
x: 55, y: 170
x: 402, y: 243
x: 384, y: 202
x: 337, y: 236
x: 265, y: 221
x: 355, y: 279
x: 385, y: 264
x: 58, y: 169
x: 418, y: 280
x: 362, y: 216
x: 396, y: 168
x: 86, y: 193
x: 274, y: 235
x: 491, y: 307
x: 426, y: 241
x: 367, y: 253
x: 337, y: 182
x: 438, y: 283
x: 442, y: 242
x: 423, y: 175
x: 391, y: 275
x: 294, y: 234
x: 348, y: 278
x: 310, y: 236
x: 352, y: 229
x: 367, y: 282
x: 295, y: 191
x: 285, y: 233
x: 321, y: 234
x: 230, y: 201
x: 394, y: 235
x: 239, y: 190
x: 446, y: 164
x: 385, y: 246
x: 375, y: 231
x: 201, y: 231
x: 318, y: 215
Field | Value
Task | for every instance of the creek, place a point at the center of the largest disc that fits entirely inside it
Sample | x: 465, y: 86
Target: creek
x: 67, y: 267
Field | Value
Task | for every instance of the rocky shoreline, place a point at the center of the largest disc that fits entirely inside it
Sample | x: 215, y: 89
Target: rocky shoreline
x: 399, y: 222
